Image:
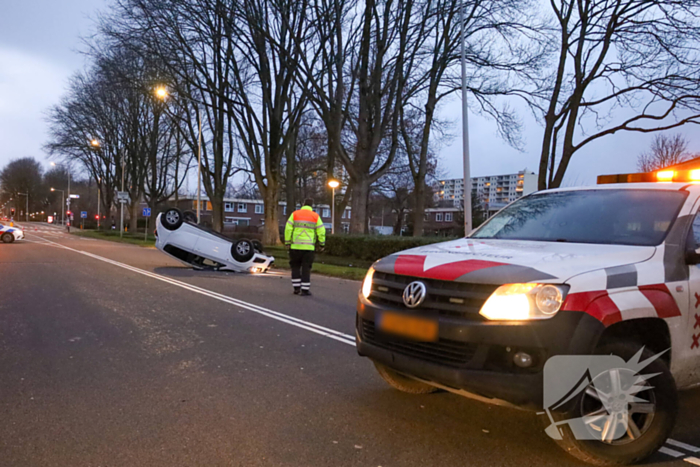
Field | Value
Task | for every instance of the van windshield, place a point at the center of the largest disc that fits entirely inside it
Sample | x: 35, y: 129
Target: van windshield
x: 625, y: 217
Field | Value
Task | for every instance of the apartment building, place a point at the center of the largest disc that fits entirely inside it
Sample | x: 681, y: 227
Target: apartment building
x: 492, y: 191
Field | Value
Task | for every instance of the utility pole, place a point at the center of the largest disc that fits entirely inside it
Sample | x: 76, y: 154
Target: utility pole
x: 465, y: 132
x: 121, y: 202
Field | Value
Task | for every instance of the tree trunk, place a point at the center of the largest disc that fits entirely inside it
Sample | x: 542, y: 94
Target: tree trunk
x: 217, y: 213
x: 360, y: 198
x: 419, y: 209
x: 291, y: 173
x: 271, y: 231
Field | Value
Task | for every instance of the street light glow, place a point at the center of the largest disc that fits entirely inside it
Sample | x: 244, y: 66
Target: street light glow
x: 53, y: 189
x: 333, y: 183
x: 162, y: 92
x: 95, y: 143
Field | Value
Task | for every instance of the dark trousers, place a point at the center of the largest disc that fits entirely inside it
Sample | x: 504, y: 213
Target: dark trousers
x: 301, y: 262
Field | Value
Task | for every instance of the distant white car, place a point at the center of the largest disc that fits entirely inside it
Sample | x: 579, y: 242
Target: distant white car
x: 178, y: 235
x: 10, y: 234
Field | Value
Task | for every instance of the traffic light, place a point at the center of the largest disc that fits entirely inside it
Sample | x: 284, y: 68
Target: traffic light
x: 12, y: 212
x: 96, y: 216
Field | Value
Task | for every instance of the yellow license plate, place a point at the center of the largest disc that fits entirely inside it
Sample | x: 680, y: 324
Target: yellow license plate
x: 411, y: 327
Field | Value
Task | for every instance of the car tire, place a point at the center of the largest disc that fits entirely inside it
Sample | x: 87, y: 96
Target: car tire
x: 243, y: 250
x: 8, y: 238
x: 172, y: 219
x: 661, y: 390
x: 258, y: 246
x: 189, y: 216
x: 403, y: 383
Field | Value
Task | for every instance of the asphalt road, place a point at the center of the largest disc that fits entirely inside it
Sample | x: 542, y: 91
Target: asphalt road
x: 115, y: 355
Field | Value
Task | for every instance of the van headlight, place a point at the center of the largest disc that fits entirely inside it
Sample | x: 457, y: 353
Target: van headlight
x: 367, y: 283
x: 524, y: 302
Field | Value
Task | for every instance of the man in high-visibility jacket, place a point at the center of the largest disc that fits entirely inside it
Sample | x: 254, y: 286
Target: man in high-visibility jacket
x: 303, y: 230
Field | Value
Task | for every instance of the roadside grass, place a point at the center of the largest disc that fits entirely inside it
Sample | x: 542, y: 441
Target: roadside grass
x: 112, y: 236
x: 334, y: 266
x: 344, y: 268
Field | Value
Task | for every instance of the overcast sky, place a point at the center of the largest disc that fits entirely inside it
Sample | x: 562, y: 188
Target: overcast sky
x: 39, y: 44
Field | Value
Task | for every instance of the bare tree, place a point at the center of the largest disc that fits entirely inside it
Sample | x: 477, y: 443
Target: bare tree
x: 269, y: 100
x: 665, y: 151
x: 637, y: 55
x: 19, y: 178
x: 502, y: 58
x: 193, y: 42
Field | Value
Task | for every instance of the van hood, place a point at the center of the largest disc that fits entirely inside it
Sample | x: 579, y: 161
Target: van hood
x: 488, y: 261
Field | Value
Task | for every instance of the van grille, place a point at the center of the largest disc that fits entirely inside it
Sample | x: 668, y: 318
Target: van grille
x: 444, y: 297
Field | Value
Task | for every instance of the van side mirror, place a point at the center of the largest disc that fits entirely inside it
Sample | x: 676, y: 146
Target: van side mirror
x: 692, y: 256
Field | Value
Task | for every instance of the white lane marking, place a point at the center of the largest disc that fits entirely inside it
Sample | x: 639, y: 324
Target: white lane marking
x: 692, y: 460
x: 670, y: 452
x: 315, y: 328
x: 687, y: 447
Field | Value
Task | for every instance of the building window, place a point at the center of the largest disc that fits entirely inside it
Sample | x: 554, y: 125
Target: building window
x: 259, y: 209
x: 346, y: 228
x: 228, y: 207
x: 326, y: 213
x: 427, y: 216
x: 242, y: 207
x: 349, y: 214
x: 448, y: 217
x: 438, y: 217
x: 284, y: 210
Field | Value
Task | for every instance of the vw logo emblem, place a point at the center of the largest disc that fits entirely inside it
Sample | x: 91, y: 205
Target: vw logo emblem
x: 414, y: 294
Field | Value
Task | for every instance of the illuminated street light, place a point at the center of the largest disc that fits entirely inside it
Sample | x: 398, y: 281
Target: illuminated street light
x: 333, y: 184
x: 95, y: 143
x: 162, y: 93
x: 63, y: 210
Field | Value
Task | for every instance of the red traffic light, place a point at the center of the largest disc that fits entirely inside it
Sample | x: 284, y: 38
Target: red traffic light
x: 68, y: 213
x: 96, y: 216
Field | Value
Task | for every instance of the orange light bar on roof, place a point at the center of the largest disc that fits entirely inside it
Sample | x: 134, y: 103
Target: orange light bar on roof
x: 665, y: 175
x: 661, y: 176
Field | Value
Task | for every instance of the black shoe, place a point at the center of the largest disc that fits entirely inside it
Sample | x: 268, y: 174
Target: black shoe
x: 306, y: 293
x: 297, y: 291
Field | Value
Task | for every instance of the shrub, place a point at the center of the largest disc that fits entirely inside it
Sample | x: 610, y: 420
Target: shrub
x: 371, y: 248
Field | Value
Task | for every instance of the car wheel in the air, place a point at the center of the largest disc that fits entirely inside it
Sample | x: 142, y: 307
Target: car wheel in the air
x: 8, y: 238
x: 627, y: 416
x: 172, y: 219
x: 243, y: 250
x: 403, y: 383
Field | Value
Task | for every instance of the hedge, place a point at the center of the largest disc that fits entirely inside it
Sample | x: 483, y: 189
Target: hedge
x: 371, y: 248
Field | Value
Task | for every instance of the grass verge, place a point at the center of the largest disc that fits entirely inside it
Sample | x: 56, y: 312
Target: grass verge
x: 344, y: 268
x: 112, y: 236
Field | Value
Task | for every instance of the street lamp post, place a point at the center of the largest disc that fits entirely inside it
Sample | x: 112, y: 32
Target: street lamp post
x: 333, y: 184
x: 26, y: 209
x: 63, y: 215
x: 465, y: 131
x: 162, y: 93
x: 67, y: 206
x: 96, y: 144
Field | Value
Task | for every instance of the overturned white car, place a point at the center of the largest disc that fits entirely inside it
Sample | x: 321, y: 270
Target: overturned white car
x: 178, y: 235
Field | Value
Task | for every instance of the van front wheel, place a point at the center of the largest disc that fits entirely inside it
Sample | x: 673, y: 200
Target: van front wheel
x: 620, y: 418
